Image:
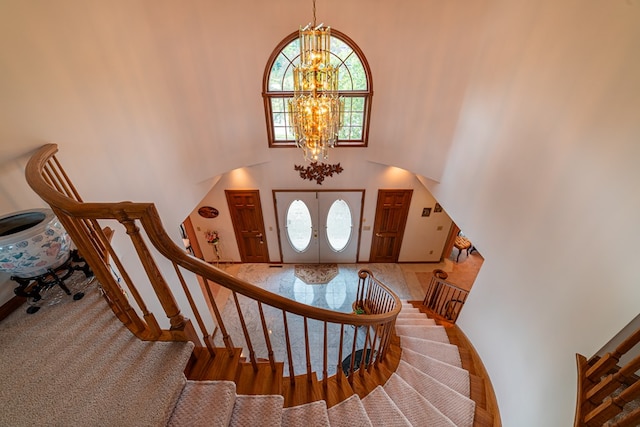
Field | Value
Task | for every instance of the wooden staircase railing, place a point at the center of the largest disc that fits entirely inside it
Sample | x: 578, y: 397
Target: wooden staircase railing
x: 91, y: 227
x: 444, y: 299
x: 604, y: 388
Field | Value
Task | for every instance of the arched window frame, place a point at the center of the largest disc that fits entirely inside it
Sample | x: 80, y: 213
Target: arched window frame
x: 269, y: 95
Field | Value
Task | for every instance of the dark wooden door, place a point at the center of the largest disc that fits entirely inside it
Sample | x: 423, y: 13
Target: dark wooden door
x: 388, y: 228
x: 248, y: 225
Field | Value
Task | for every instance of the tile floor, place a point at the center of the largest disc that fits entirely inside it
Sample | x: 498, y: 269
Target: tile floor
x: 337, y: 295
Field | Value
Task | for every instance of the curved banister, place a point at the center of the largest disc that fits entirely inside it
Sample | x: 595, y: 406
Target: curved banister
x: 147, y: 214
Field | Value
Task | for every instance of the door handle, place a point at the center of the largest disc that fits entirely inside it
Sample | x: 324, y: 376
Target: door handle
x: 259, y: 236
x: 378, y: 235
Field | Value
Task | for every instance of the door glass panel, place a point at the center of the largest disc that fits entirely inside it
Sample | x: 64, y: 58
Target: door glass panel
x: 339, y: 225
x: 299, y: 225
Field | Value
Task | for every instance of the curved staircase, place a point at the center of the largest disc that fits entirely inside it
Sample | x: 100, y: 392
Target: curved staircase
x: 416, y: 370
x: 428, y: 388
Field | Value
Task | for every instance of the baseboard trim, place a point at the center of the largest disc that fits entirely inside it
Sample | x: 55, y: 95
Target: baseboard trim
x: 10, y: 306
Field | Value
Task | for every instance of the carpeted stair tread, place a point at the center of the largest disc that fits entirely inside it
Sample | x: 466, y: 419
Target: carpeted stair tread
x: 451, y: 376
x: 403, y: 315
x: 382, y: 411
x: 349, y: 413
x: 205, y: 404
x: 433, y: 333
x: 458, y: 408
x: 415, y: 322
x: 100, y: 372
x: 417, y: 409
x: 409, y: 309
x: 264, y: 411
x: 307, y: 415
x: 447, y: 353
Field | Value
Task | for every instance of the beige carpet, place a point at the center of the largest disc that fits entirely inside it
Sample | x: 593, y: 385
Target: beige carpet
x: 316, y: 274
x: 75, y: 364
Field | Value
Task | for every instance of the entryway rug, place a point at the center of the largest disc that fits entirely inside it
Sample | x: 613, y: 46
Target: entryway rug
x: 316, y: 274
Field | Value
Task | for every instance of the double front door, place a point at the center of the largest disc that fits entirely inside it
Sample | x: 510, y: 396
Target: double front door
x: 319, y: 226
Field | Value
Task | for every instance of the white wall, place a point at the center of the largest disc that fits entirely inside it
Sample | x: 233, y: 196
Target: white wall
x: 423, y: 241
x: 544, y: 174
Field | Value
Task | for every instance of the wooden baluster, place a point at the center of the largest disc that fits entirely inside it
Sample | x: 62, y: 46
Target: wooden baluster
x: 101, y: 272
x: 292, y: 374
x: 632, y: 419
x: 76, y: 195
x: 353, y: 354
x: 373, y: 348
x: 364, y: 361
x: 307, y: 351
x: 245, y: 331
x: 611, y: 382
x: 226, y: 338
x: 160, y: 286
x: 610, y: 360
x: 612, y: 406
x: 206, y: 337
x: 325, y: 370
x: 339, y: 366
x: 149, y: 318
x: 267, y: 338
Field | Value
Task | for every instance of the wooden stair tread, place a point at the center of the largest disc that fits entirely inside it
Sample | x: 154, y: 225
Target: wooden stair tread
x: 263, y: 381
x: 301, y: 390
x: 221, y: 367
x: 336, y: 390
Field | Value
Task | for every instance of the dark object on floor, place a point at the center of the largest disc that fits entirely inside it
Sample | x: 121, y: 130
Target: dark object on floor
x: 30, y: 287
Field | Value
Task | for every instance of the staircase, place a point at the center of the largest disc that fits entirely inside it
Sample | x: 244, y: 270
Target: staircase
x: 416, y: 371
x: 429, y: 387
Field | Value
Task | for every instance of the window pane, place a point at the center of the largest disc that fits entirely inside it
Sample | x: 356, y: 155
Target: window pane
x: 277, y: 72
x: 292, y: 50
x: 299, y: 225
x: 340, y: 48
x: 356, y: 133
x: 344, y: 79
x: 357, y: 73
x: 277, y: 105
x: 357, y: 104
x: 338, y: 225
x: 279, y: 133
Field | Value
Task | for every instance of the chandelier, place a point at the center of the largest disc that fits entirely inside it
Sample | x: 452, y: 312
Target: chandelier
x: 316, y: 109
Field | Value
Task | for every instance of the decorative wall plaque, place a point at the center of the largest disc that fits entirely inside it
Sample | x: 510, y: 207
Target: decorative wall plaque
x: 208, y: 212
x: 318, y: 172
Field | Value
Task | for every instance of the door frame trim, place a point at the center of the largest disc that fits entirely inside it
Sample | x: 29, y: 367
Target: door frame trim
x: 324, y: 190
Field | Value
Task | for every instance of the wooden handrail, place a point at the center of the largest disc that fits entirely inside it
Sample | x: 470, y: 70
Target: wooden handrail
x: 599, y: 381
x: 142, y: 223
x: 147, y: 214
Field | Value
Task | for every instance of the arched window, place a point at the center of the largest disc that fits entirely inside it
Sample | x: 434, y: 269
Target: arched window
x: 354, y: 87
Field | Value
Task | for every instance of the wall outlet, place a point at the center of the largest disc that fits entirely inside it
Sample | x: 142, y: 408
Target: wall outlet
x: 366, y: 228
x: 439, y: 228
x: 430, y: 252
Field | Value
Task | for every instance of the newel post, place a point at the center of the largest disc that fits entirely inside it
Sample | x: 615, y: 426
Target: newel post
x: 160, y: 286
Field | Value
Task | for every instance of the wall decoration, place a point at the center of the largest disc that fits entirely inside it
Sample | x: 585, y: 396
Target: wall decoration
x: 208, y: 212
x: 318, y: 172
x: 426, y: 211
x: 438, y: 208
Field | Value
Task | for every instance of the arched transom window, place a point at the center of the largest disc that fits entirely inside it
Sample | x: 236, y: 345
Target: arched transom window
x: 354, y: 87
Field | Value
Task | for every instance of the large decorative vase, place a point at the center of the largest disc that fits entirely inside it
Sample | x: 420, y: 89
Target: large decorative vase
x: 32, y: 243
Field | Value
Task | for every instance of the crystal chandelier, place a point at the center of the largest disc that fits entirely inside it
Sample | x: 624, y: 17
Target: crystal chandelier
x: 316, y: 109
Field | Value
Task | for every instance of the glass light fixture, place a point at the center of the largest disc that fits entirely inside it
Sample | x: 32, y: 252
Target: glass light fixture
x: 316, y: 110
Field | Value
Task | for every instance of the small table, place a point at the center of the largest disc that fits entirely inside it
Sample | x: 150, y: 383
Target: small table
x: 461, y: 243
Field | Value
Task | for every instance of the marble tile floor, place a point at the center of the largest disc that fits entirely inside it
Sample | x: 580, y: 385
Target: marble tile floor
x: 336, y: 295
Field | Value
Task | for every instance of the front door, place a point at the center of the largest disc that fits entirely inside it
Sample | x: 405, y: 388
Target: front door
x: 388, y: 228
x: 319, y: 226
x: 248, y: 225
